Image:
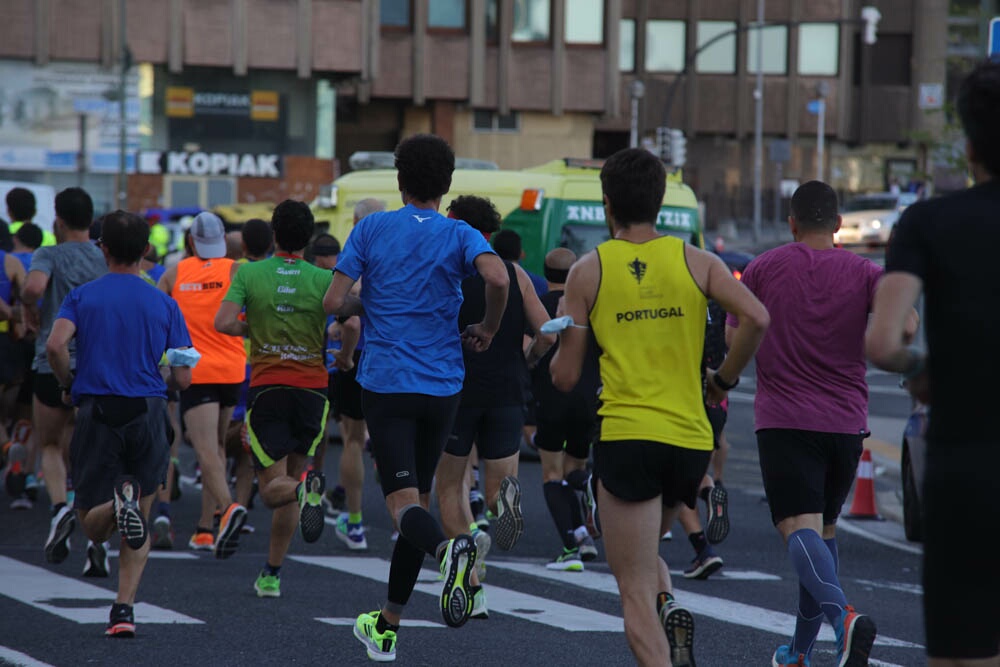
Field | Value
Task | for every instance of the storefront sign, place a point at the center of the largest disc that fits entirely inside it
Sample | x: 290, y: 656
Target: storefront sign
x: 185, y: 102
x: 179, y: 163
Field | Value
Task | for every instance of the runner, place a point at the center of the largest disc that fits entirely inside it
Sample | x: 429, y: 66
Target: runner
x: 412, y: 262
x: 198, y: 284
x: 122, y: 326
x: 811, y: 409
x: 286, y: 406
x: 55, y: 271
x: 12, y: 277
x: 943, y: 249
x: 645, y: 297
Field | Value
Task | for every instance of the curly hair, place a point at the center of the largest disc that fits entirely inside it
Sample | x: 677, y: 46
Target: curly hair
x: 425, y: 163
x: 479, y: 212
x: 293, y: 225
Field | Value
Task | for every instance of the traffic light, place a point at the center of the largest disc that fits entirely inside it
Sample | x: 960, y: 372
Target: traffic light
x: 870, y: 16
x: 663, y: 143
x: 678, y: 148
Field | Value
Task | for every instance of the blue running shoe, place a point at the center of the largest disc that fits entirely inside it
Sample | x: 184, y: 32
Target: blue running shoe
x: 783, y: 656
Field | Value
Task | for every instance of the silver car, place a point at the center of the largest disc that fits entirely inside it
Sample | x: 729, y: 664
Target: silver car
x: 913, y: 465
x: 868, y: 219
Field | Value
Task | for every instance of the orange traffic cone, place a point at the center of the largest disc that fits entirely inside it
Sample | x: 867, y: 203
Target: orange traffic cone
x: 863, y: 505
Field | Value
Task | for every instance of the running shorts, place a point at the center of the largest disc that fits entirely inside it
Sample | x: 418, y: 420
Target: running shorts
x: 639, y: 470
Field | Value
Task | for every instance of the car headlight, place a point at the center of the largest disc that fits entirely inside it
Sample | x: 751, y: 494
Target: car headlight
x: 876, y: 224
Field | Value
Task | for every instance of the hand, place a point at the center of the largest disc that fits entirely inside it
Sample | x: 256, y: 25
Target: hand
x: 714, y: 394
x: 67, y: 399
x: 919, y: 387
x: 477, y: 337
x: 335, y: 331
x: 343, y: 361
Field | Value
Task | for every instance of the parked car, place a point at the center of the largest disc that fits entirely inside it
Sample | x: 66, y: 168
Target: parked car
x: 869, y: 219
x: 912, y: 466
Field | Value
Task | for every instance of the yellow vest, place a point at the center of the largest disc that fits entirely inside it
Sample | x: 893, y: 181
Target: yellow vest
x: 48, y: 238
x: 649, y: 320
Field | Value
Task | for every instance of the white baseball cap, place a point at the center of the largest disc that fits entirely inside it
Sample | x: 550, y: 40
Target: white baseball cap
x: 209, y: 235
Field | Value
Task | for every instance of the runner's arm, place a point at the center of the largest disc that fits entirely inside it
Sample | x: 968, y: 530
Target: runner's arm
x: 581, y: 292
x: 893, y: 323
x: 536, y: 315
x: 339, y: 300
x: 166, y: 282
x: 227, y: 320
x: 479, y: 336
x: 57, y: 350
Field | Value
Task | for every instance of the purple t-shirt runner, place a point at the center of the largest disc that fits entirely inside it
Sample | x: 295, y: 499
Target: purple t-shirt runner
x: 811, y: 363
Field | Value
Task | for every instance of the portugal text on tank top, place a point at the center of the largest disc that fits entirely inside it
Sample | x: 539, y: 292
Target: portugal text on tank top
x: 649, y: 320
x: 198, y: 290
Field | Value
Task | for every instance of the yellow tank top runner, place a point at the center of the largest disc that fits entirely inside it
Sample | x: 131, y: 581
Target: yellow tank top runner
x: 649, y: 320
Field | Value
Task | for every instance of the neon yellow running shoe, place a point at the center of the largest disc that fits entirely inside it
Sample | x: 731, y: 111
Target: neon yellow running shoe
x: 267, y: 585
x: 381, y: 647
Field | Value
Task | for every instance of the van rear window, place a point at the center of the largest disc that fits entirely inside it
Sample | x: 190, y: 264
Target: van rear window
x: 581, y: 239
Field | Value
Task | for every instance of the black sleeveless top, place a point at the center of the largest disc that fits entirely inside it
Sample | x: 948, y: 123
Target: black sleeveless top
x: 497, y: 377
x: 590, y: 377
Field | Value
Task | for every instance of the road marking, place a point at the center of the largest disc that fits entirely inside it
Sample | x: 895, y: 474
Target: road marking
x: 915, y: 589
x: 163, y: 555
x: 721, y: 609
x: 408, y: 623
x: 18, y: 659
x: 501, y: 600
x: 59, y: 595
x: 853, y: 528
x: 746, y: 575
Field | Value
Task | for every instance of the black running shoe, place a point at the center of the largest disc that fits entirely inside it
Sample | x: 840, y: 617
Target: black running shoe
x: 718, y: 515
x: 122, y: 622
x: 311, y: 506
x: 57, y: 546
x: 131, y: 523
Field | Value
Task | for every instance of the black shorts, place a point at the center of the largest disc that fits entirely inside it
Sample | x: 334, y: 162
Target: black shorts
x: 114, y: 436
x: 46, y: 388
x: 717, y: 415
x: 408, y: 433
x: 226, y: 395
x: 807, y: 472
x: 345, y: 392
x: 568, y: 421
x: 961, y: 586
x: 638, y: 470
x: 496, y: 432
x: 283, y: 420
x: 10, y: 360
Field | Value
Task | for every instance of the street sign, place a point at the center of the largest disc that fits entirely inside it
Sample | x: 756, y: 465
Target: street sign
x: 813, y: 106
x: 993, y: 44
x: 931, y: 96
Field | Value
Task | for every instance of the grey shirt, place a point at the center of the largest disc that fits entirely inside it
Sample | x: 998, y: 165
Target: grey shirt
x: 67, y: 265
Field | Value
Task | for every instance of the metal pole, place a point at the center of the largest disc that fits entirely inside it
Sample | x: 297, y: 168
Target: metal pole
x: 123, y: 129
x: 81, y: 159
x: 778, y: 173
x: 633, y: 137
x: 820, y: 138
x: 758, y: 153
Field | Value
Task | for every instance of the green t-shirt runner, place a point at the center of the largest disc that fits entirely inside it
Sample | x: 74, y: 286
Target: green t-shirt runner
x: 283, y: 297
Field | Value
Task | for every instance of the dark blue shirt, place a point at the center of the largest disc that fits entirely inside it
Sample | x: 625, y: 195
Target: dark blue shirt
x: 541, y: 285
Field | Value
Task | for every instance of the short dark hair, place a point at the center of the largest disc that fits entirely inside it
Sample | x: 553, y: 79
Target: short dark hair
x: 978, y: 101
x: 257, y: 236
x: 634, y: 181
x: 30, y: 235
x: 479, y: 212
x: 425, y: 163
x: 293, y: 225
x: 21, y: 204
x: 507, y: 244
x: 814, y: 206
x: 75, y: 207
x: 125, y: 235
x: 325, y: 245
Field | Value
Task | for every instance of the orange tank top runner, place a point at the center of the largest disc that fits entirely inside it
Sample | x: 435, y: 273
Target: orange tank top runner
x: 199, y: 288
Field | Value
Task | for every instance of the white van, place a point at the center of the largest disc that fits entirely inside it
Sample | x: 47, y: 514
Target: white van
x: 45, y: 202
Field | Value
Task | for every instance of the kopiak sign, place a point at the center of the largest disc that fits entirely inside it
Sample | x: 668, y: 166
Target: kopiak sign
x: 181, y: 163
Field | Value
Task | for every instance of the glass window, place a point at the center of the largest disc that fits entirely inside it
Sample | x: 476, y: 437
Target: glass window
x: 532, y: 19
x: 626, y: 45
x: 775, y: 49
x: 665, y: 46
x: 720, y: 57
x: 819, y: 49
x: 395, y: 13
x: 484, y: 120
x: 585, y: 22
x: 447, y: 14
x: 492, y: 22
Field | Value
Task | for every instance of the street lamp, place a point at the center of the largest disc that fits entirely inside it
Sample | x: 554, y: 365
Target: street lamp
x: 636, y: 91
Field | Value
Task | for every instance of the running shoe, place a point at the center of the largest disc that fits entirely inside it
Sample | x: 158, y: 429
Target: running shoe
x: 131, y: 523
x: 230, y: 526
x: 784, y: 657
x: 22, y: 502
x: 479, y: 610
x: 267, y: 585
x: 855, y: 637
x: 122, y: 621
x: 247, y: 529
x: 718, y: 515
x: 15, y: 478
x: 705, y: 565
x: 456, y: 566
x: 310, y: 505
x: 202, y: 542
x: 351, y: 534
x: 590, y: 509
x: 62, y: 524
x: 667, y: 536
x: 478, y: 506
x: 510, y: 521
x: 175, y: 490
x: 163, y: 533
x: 678, y: 624
x: 31, y: 485
x: 97, y: 564
x: 588, y: 549
x: 381, y: 647
x: 483, y: 545
x: 335, y: 501
x: 567, y: 561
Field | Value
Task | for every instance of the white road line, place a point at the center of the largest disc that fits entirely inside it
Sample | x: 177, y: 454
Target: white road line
x: 721, y: 609
x: 162, y: 555
x: 45, y: 590
x: 18, y: 659
x: 501, y: 600
x: 853, y: 528
x: 409, y: 622
x: 915, y: 589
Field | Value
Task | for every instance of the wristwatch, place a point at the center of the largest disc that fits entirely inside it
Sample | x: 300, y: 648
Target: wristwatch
x: 721, y: 384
